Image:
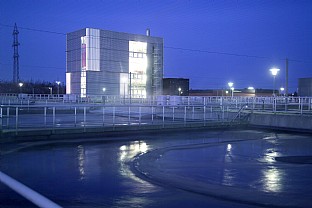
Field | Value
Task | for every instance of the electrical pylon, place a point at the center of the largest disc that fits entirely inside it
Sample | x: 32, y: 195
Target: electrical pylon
x: 15, y: 45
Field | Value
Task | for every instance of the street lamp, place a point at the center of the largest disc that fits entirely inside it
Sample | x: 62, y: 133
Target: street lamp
x: 20, y: 85
x: 282, y: 90
x: 58, y: 87
x: 179, y: 91
x: 50, y: 88
x: 274, y: 72
x: 231, y: 87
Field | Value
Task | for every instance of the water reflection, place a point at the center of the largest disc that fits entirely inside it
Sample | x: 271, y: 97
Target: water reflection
x: 272, y: 179
x: 128, y: 152
x: 229, y: 147
x: 126, y: 155
x: 133, y: 202
x: 81, y: 162
x: 270, y: 155
x: 228, y: 173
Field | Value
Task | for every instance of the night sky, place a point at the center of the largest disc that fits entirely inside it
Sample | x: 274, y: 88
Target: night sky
x: 209, y: 42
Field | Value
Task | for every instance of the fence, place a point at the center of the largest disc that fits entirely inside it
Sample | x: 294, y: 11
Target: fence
x: 163, y: 110
x: 85, y: 116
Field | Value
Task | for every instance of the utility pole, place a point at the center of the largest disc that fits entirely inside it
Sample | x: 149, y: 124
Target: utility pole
x: 15, y: 55
x: 286, y: 81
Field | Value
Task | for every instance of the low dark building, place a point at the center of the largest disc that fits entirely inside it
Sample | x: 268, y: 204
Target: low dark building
x: 305, y: 87
x: 176, y: 86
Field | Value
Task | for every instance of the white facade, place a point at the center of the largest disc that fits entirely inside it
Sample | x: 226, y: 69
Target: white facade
x: 114, y: 63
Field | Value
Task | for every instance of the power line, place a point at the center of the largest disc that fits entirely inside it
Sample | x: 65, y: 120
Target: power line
x: 48, y: 67
x: 216, y: 52
x: 166, y: 47
x: 170, y: 47
x: 36, y: 30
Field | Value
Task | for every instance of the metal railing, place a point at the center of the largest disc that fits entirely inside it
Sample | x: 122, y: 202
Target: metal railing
x: 17, y: 99
x: 26, y: 192
x: 162, y: 110
x: 84, y: 116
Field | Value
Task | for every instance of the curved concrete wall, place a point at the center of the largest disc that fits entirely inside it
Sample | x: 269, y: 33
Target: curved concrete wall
x: 300, y: 122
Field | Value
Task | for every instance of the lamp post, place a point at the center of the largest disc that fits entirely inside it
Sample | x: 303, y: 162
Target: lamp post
x: 179, y: 89
x: 282, y: 90
x: 20, y: 85
x: 104, y: 98
x: 231, y: 87
x: 58, y: 87
x: 274, y: 72
x: 50, y: 88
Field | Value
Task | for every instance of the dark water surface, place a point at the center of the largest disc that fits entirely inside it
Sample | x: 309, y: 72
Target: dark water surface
x: 186, y: 169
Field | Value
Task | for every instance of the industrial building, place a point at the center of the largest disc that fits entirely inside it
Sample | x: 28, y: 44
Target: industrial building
x: 176, y: 86
x: 102, y: 62
x: 305, y: 87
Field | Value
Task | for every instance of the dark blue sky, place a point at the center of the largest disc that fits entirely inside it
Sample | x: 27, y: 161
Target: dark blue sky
x: 223, y: 37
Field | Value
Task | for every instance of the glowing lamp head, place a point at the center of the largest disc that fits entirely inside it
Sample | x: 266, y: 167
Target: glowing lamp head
x: 274, y: 71
x: 20, y: 84
x: 230, y: 84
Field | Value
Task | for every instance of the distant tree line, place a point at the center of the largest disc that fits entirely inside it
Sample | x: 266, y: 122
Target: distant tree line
x: 38, y: 87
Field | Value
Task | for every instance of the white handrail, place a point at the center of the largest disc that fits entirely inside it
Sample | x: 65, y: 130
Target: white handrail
x: 26, y: 192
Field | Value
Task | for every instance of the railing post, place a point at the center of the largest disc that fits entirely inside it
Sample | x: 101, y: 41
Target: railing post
x: 129, y: 115
x: 299, y: 103
x: 53, y: 118
x: 140, y: 116
x: 103, y: 115
x: 75, y: 116
x: 163, y: 115
x: 193, y: 113
x: 8, y: 117
x: 204, y: 115
x: 45, y: 116
x: 84, y: 118
x: 173, y: 113
x: 152, y: 114
x: 184, y: 115
x: 114, y: 117
x: 16, y: 120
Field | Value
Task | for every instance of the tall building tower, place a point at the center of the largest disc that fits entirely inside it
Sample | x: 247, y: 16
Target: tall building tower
x: 15, y: 55
x: 102, y: 62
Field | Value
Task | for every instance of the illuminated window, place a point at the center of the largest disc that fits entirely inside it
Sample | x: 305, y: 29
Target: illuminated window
x: 138, y: 67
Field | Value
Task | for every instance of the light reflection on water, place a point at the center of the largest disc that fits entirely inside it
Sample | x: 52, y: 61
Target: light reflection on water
x: 249, y: 165
x: 228, y: 173
x: 101, y: 173
x: 273, y: 179
x: 126, y: 155
x: 81, y: 161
